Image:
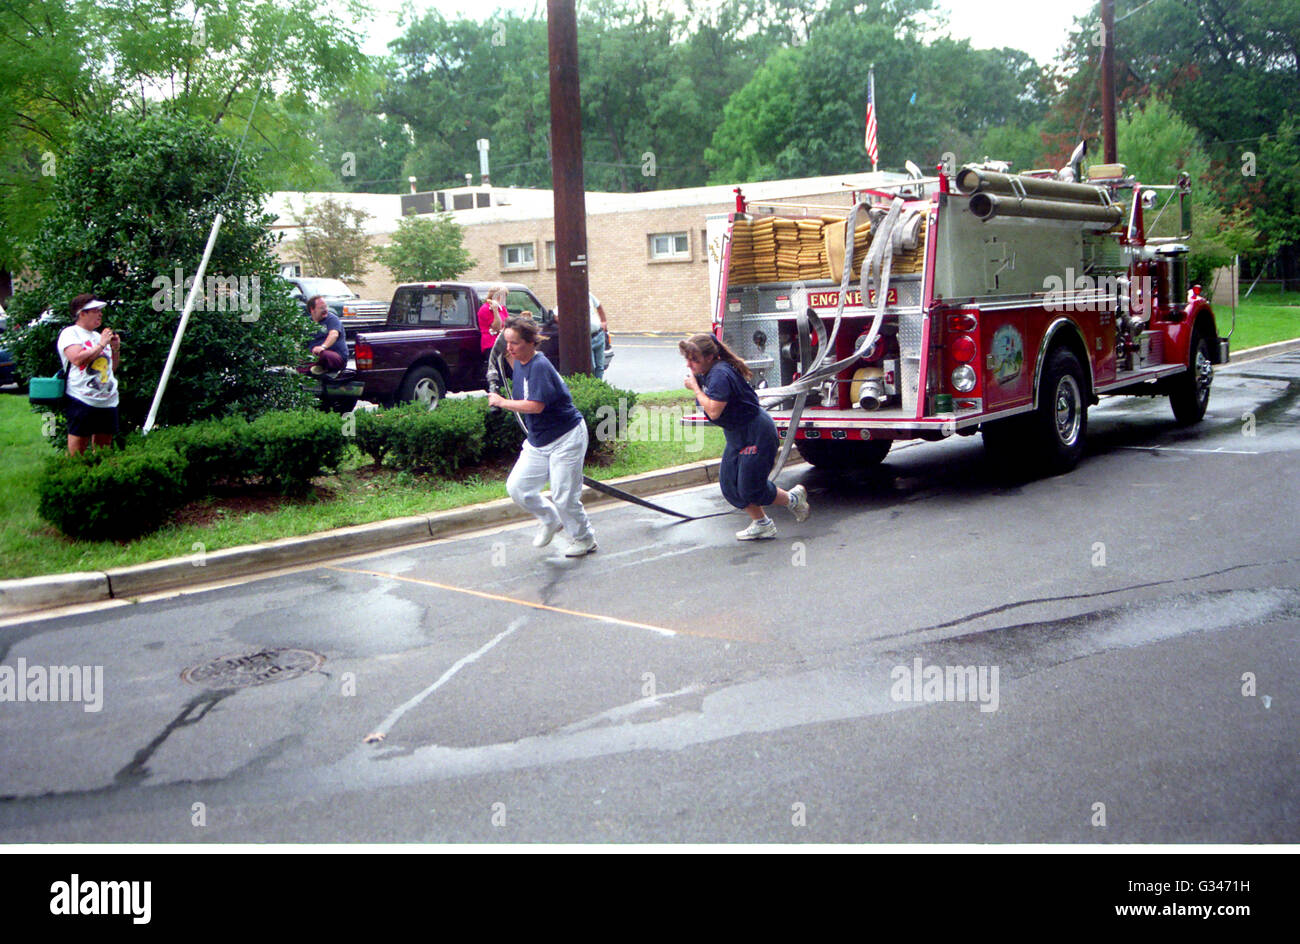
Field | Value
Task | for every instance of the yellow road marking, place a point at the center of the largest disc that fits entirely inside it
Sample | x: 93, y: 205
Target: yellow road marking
x: 550, y: 609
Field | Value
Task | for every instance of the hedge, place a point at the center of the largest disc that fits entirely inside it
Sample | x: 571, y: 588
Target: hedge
x: 463, y: 432
x: 104, y: 495
x: 118, y: 493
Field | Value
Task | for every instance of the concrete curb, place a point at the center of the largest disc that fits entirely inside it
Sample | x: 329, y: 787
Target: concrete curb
x: 33, y: 594
x: 1266, y: 350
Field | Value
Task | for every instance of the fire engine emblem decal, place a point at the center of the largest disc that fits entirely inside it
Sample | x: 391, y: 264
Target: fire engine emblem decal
x: 1007, y: 357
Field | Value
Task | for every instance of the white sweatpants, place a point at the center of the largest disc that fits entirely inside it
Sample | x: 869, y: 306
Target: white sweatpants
x: 559, y: 463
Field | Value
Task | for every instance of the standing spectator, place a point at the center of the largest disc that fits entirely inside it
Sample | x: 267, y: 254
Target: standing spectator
x: 556, y: 442
x: 330, y: 347
x: 599, y: 336
x: 92, y: 382
x: 492, y: 315
x: 718, y: 378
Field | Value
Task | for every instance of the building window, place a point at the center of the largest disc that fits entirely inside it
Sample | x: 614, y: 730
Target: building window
x: 519, y: 256
x: 550, y: 254
x: 670, y: 246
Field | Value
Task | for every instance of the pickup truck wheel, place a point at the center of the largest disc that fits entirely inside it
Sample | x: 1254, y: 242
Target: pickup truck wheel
x: 425, y: 385
x: 842, y: 454
x: 1189, y: 393
x: 1060, y: 424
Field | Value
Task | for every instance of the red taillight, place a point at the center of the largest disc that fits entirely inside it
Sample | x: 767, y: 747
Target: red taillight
x: 962, y: 323
x: 365, y: 357
x: 963, y: 349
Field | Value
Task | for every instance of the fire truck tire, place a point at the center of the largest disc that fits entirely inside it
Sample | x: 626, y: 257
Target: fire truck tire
x: 842, y: 454
x: 1060, y: 424
x: 1189, y: 393
x: 424, y: 384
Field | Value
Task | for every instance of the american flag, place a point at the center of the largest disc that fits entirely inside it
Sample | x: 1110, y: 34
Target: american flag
x: 873, y: 148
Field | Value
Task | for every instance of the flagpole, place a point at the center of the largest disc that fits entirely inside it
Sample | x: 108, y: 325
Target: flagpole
x: 871, y: 97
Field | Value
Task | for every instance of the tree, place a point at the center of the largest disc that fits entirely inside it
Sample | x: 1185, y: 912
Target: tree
x: 63, y: 61
x: 426, y: 248
x: 131, y: 209
x: 1157, y: 146
x: 332, y: 242
x: 803, y: 111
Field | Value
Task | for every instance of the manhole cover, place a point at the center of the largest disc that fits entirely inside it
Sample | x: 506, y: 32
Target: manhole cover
x: 255, y: 668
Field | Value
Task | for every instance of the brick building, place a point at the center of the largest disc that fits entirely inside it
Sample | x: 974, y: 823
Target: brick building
x: 647, y: 252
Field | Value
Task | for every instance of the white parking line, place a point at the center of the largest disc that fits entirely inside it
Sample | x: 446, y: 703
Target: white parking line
x: 382, y: 731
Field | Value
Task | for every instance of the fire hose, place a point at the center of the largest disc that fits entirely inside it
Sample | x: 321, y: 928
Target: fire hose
x: 894, y: 231
x: 495, y: 374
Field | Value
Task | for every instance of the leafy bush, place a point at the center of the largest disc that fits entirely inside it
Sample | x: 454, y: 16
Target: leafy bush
x: 133, y: 201
x: 215, y: 451
x: 111, y: 495
x: 502, y: 435
x: 374, y: 429
x: 287, y: 449
x: 589, y: 396
x: 440, y: 440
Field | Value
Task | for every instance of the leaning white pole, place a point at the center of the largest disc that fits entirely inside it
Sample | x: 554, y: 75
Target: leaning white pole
x: 195, y: 289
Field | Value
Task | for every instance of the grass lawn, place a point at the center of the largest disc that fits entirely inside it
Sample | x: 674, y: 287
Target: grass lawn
x: 1268, y: 315
x: 357, y: 494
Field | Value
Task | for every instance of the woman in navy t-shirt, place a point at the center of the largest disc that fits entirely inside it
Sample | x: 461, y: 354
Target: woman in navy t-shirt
x: 556, y: 445
x: 719, y: 380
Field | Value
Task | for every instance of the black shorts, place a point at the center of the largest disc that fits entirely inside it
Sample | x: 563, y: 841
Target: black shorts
x: 85, y: 421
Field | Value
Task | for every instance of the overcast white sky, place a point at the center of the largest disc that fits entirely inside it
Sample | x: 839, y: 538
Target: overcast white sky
x: 1039, y: 27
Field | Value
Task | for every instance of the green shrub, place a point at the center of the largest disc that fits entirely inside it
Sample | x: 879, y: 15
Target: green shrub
x: 111, y: 494
x: 440, y: 440
x: 374, y: 429
x: 502, y: 435
x: 589, y: 396
x: 288, y: 449
x: 216, y: 452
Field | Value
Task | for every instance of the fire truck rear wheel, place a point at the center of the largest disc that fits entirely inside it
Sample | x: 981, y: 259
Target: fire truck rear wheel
x: 1060, y: 424
x: 843, y: 454
x: 1189, y: 394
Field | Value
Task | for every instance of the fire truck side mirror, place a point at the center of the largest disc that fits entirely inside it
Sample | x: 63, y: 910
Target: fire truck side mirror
x: 1148, y: 199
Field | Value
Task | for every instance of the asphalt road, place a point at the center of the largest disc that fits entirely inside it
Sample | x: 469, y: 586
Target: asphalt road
x: 1141, y: 615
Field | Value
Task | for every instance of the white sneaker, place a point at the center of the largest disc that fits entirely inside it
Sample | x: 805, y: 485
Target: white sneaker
x: 580, y: 547
x: 799, y: 503
x: 317, y: 369
x: 757, y: 532
x: 545, y: 533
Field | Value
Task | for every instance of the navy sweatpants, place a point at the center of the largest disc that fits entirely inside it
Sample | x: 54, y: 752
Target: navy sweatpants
x: 747, y: 463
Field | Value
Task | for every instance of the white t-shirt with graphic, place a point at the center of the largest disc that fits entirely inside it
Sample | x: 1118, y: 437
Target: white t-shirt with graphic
x: 94, y: 384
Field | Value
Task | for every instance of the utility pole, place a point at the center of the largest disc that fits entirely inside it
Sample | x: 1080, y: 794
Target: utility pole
x: 1108, y: 81
x: 567, y: 184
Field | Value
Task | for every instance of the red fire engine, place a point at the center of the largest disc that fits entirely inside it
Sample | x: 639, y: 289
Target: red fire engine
x: 986, y: 302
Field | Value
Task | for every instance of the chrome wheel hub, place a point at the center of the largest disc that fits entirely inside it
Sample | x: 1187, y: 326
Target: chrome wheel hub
x: 1068, y: 410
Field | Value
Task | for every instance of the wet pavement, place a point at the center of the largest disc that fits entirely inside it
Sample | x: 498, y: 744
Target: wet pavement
x: 1141, y: 613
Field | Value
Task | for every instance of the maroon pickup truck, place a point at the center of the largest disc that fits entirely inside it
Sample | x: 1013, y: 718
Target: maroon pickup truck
x: 430, y: 345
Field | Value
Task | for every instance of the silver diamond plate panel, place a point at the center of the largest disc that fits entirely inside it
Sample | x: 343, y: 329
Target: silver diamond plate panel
x: 910, y: 326
x: 739, y: 331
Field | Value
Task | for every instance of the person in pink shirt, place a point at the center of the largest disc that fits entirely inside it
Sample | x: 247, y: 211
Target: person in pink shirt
x: 492, y: 315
